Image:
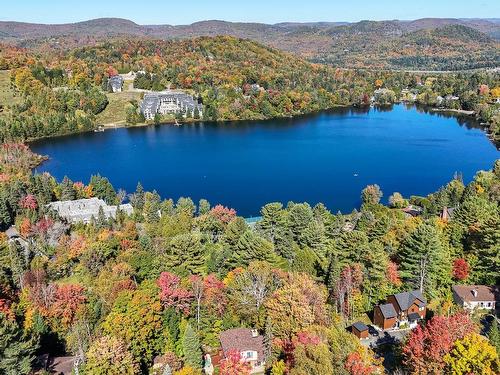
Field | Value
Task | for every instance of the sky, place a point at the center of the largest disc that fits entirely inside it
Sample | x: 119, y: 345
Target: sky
x: 179, y: 12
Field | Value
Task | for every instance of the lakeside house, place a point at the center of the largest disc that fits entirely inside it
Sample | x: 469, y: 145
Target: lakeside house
x: 472, y: 297
x: 248, y: 343
x: 169, y: 102
x: 115, y: 83
x: 83, y: 210
x: 401, y: 309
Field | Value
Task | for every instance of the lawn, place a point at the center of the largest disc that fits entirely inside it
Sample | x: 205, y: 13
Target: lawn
x: 6, y: 93
x: 115, y: 110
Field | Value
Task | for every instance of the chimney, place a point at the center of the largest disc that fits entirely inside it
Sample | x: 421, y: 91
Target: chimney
x: 255, y: 333
x: 474, y: 292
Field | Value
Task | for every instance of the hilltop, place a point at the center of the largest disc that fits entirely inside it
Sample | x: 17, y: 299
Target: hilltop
x: 365, y: 44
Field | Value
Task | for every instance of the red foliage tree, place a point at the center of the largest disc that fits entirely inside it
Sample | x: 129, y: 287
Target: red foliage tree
x: 357, y: 366
x: 28, y: 202
x: 215, y: 296
x: 6, y: 310
x: 233, y: 364
x: 393, y: 274
x: 426, y: 346
x: 172, y: 294
x: 224, y: 214
x: 68, y: 299
x: 460, y: 269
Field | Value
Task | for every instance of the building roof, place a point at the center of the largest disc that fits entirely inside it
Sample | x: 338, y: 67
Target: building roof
x: 12, y: 232
x: 406, y: 299
x: 484, y: 292
x: 360, y: 326
x: 413, y: 316
x: 82, y: 210
x: 242, y: 339
x: 388, y: 311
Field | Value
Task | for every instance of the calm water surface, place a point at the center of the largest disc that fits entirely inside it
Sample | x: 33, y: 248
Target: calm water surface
x: 329, y: 157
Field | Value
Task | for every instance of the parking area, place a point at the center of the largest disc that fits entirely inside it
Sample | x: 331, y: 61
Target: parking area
x: 377, y: 337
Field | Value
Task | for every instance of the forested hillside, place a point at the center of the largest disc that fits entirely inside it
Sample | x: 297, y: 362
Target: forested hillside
x: 154, y: 290
x: 365, y: 44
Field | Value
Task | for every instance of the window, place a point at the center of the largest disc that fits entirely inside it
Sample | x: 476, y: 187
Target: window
x: 249, y: 355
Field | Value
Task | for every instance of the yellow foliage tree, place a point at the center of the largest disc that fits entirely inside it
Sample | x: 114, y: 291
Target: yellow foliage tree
x: 495, y: 92
x: 472, y: 355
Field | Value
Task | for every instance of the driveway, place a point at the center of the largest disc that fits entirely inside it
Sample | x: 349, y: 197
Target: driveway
x: 385, y: 337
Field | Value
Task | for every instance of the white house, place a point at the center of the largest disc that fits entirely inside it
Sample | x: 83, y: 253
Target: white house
x: 472, y: 297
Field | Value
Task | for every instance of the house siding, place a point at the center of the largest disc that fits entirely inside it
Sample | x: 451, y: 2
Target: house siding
x: 380, y: 321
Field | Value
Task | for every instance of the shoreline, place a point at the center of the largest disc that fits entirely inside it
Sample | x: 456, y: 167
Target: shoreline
x: 459, y: 111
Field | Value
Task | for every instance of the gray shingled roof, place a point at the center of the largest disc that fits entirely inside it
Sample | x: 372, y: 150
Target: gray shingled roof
x: 360, y: 326
x: 388, y: 310
x: 406, y: 299
x: 413, y: 316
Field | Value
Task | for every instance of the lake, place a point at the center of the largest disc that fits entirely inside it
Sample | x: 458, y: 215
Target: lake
x: 327, y: 157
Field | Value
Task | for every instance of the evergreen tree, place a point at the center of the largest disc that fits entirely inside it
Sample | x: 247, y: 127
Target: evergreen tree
x: 494, y: 335
x: 203, y: 207
x: 103, y: 189
x: 251, y: 247
x: 488, y: 254
x: 137, y: 199
x: 234, y: 230
x: 16, y: 352
x: 300, y: 215
x: 151, y: 207
x: 191, y: 348
x: 68, y: 192
x: 186, y: 251
x: 424, y: 262
x: 273, y: 219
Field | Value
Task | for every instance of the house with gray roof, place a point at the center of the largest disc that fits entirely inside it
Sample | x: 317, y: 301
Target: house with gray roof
x: 115, y: 83
x: 401, y: 309
x: 169, y: 102
x: 83, y: 210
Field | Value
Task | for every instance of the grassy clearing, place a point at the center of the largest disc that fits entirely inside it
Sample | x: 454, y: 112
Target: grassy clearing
x: 7, y: 95
x: 115, y: 110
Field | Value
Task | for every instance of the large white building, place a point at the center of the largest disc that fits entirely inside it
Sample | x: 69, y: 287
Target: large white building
x: 169, y: 102
x: 82, y: 210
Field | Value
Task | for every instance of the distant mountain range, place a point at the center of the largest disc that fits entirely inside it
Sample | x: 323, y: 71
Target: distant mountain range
x: 429, y: 43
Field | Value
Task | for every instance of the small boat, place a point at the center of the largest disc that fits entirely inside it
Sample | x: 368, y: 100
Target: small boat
x: 100, y: 129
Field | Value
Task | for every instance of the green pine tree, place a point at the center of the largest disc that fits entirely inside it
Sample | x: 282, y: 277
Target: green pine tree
x: 16, y: 352
x: 186, y: 251
x: 252, y: 247
x: 494, y: 335
x: 424, y: 262
x: 68, y: 192
x: 191, y: 348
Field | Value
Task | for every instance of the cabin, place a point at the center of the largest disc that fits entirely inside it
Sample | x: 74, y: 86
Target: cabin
x: 472, y: 297
x: 115, y: 83
x: 410, y: 307
x: 385, y: 316
x: 248, y: 343
x: 360, y: 330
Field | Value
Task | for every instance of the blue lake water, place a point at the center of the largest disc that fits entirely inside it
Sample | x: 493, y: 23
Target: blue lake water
x: 328, y: 157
